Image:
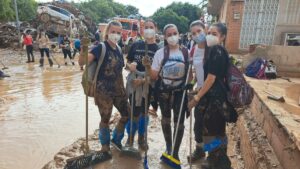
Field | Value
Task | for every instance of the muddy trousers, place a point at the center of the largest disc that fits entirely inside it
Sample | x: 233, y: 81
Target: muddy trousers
x: 42, y: 51
x: 29, y: 51
x: 198, y: 125
x: 167, y: 102
x: 105, y: 105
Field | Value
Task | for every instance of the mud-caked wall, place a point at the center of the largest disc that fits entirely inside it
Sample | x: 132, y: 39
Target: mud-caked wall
x: 286, y: 58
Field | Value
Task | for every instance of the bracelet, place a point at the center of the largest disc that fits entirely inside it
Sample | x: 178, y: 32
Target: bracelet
x: 196, y: 98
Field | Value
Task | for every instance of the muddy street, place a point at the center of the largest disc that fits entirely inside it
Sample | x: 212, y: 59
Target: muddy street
x: 42, y: 110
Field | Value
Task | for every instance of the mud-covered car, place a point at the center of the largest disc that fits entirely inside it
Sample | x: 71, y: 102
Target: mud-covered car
x: 48, y: 13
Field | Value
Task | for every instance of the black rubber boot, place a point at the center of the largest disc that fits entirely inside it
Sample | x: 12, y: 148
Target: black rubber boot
x: 41, y: 62
x: 217, y: 159
x: 196, y: 155
x: 178, y: 140
x: 32, y: 59
x: 167, y: 131
x: 50, y: 62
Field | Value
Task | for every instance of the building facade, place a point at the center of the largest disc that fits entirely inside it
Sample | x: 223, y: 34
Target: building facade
x: 270, y: 22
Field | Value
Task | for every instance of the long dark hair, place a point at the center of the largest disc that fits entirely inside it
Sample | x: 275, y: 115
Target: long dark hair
x: 222, y: 29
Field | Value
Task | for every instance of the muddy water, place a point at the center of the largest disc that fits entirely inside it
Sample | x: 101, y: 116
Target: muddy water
x: 41, y: 111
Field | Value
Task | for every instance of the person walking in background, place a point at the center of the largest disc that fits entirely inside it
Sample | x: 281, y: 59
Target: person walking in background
x: 43, y: 42
x: 27, y: 41
x: 76, y: 46
x: 66, y: 49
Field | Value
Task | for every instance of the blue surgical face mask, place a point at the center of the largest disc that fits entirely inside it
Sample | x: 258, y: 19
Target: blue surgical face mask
x: 200, y: 38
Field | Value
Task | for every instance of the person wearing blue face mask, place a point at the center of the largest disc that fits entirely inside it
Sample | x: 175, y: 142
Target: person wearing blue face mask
x: 211, y: 99
x: 197, y: 53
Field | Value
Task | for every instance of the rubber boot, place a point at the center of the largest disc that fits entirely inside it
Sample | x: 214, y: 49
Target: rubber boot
x: 217, y: 159
x: 32, y: 59
x: 28, y: 59
x: 129, y: 141
x: 167, y: 131
x: 117, y: 138
x: 104, y: 138
x: 196, y: 155
x: 178, y: 140
x: 50, y: 62
x: 143, y: 124
x: 41, y: 62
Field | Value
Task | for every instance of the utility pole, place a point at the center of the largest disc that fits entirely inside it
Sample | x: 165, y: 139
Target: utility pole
x: 17, y: 18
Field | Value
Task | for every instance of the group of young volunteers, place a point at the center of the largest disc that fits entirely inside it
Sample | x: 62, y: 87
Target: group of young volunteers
x: 168, y: 69
x: 44, y: 43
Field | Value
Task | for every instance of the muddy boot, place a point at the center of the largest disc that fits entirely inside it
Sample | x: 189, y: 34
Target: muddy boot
x: 217, y: 159
x: 167, y: 131
x: 28, y: 59
x: 143, y: 124
x: 196, y: 155
x: 117, y: 138
x: 104, y: 137
x: 50, y: 62
x: 130, y: 141
x: 32, y: 59
x: 41, y: 62
x: 178, y: 140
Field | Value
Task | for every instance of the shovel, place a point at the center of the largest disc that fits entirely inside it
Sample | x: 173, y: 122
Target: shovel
x: 276, y: 98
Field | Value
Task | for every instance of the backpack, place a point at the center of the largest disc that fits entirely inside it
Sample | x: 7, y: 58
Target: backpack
x: 239, y: 92
x: 173, y: 71
x: 253, y: 69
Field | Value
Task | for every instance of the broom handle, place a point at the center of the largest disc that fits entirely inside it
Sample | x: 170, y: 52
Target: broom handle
x: 146, y: 99
x: 181, y: 107
x: 85, y: 54
x: 191, y: 136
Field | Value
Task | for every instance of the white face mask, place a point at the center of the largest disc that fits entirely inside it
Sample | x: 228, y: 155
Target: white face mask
x: 212, y: 40
x: 149, y: 33
x: 173, y: 40
x: 114, y: 37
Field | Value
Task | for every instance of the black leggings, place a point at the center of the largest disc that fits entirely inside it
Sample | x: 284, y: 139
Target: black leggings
x: 66, y: 53
x: 172, y: 100
x: 29, y: 50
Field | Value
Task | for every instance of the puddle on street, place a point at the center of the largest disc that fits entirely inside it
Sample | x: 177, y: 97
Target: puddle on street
x: 41, y: 111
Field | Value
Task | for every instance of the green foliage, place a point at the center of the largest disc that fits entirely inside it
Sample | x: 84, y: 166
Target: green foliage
x: 6, y: 12
x: 102, y: 10
x: 26, y: 10
x: 180, y: 14
x: 192, y: 12
x: 131, y: 10
x: 166, y: 16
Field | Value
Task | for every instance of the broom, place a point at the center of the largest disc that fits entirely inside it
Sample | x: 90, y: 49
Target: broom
x: 166, y: 158
x: 90, y: 157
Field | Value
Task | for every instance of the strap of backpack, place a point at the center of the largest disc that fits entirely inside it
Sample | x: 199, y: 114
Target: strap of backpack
x: 166, y: 57
x: 103, y: 51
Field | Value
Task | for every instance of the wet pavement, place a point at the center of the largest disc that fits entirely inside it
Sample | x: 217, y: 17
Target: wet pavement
x: 41, y: 111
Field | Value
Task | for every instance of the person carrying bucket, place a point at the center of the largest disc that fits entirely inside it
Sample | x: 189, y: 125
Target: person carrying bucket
x: 135, y: 83
x: 110, y: 90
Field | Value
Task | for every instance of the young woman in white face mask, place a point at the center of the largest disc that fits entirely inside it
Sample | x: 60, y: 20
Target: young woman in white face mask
x: 110, y: 86
x: 169, y: 67
x: 211, y: 99
x: 136, y: 81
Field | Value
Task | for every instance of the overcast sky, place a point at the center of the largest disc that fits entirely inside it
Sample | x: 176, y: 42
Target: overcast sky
x: 146, y: 7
